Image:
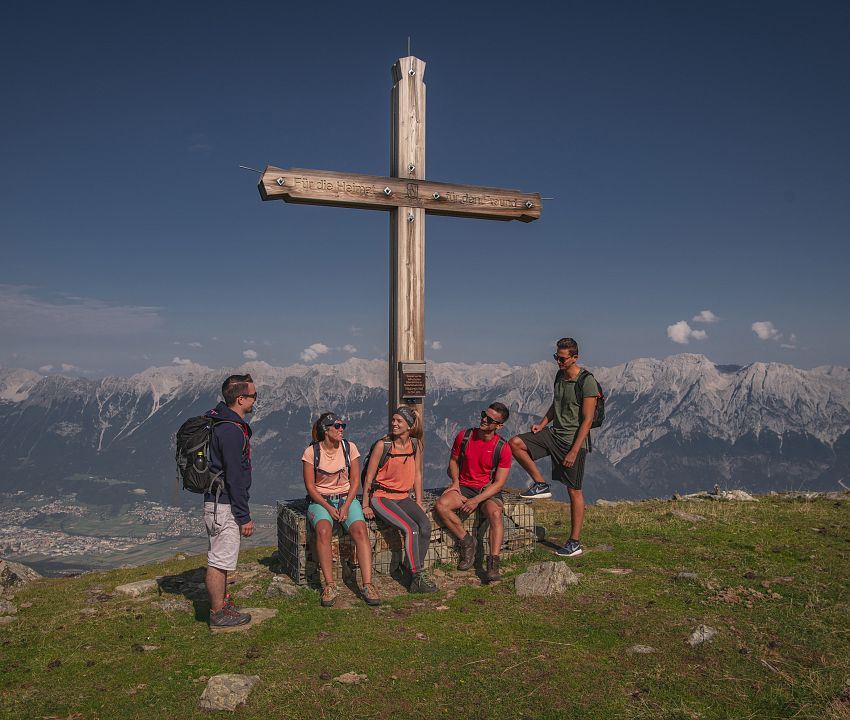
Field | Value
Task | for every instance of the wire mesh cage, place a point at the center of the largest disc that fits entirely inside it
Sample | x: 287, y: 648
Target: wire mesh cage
x: 296, y: 540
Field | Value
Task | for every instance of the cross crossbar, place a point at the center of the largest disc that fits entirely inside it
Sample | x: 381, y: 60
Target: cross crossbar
x: 371, y: 192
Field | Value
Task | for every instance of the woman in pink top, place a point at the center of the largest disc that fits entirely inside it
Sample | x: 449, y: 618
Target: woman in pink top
x: 331, y: 467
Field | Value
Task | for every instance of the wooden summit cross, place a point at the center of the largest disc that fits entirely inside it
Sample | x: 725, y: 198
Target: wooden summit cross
x: 408, y: 197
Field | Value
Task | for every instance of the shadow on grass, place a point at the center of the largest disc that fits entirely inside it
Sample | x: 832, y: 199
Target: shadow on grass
x: 189, y: 584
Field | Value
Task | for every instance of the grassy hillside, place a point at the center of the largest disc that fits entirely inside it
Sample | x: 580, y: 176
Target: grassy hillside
x: 771, y: 576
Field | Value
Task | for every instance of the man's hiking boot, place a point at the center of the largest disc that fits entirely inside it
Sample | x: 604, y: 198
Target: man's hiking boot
x: 466, y: 549
x: 228, y: 616
x: 421, y: 584
x: 329, y: 595
x: 538, y: 491
x: 493, y: 574
x: 571, y: 549
x: 370, y: 595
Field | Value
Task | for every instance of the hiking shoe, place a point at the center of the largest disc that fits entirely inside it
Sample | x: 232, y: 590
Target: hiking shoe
x: 329, y: 595
x: 466, y: 549
x: 421, y: 584
x: 370, y: 595
x: 228, y: 616
x: 538, y: 491
x: 492, y: 574
x: 571, y: 549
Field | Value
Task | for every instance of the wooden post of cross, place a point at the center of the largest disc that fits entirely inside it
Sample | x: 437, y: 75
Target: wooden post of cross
x: 407, y: 233
x: 408, y: 197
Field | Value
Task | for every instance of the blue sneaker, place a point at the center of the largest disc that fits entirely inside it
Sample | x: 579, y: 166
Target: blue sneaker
x: 538, y: 491
x: 571, y: 549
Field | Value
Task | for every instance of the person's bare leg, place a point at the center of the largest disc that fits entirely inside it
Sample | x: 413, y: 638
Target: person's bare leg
x: 446, y: 505
x: 323, y: 550
x: 576, y: 513
x: 216, y: 582
x: 493, y: 510
x: 521, y: 455
x: 360, y: 536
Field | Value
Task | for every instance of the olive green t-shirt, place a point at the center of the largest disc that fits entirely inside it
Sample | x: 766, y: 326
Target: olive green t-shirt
x: 566, y: 405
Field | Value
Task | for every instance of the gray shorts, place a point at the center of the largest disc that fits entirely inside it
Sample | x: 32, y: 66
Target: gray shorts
x: 224, y: 536
x: 545, y: 443
x: 471, y: 492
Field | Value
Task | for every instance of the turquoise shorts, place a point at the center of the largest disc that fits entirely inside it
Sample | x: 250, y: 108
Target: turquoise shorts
x: 316, y: 512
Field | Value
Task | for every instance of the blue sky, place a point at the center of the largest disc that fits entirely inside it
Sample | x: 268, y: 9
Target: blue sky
x: 697, y: 154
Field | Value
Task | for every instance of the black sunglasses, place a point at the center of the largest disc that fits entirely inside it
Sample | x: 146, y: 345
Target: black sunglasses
x: 487, y: 419
x: 253, y: 396
x: 339, y: 425
x: 560, y: 359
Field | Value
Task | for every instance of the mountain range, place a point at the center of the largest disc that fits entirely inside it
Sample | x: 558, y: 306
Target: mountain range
x: 675, y: 425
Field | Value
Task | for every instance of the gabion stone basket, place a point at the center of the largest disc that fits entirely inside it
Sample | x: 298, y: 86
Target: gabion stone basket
x: 296, y: 540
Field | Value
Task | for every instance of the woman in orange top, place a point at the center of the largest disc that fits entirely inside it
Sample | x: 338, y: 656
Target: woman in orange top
x: 386, y: 492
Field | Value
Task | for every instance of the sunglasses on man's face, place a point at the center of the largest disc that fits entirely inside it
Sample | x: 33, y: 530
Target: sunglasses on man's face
x: 487, y: 419
x: 560, y: 359
x: 253, y: 396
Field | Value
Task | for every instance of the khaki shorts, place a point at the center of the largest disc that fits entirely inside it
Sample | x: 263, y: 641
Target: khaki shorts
x: 224, y: 536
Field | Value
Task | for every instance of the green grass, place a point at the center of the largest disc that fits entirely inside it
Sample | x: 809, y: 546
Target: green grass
x: 492, y: 653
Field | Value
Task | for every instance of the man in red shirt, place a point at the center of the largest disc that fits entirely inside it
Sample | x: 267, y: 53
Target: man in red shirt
x: 477, y: 481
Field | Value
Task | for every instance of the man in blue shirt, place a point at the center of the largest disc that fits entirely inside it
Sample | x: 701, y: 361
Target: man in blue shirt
x: 226, y: 514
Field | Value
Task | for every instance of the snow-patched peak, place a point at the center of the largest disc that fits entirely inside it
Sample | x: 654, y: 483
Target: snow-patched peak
x: 16, y: 383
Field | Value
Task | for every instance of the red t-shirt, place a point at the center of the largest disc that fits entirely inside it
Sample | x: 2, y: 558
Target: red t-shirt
x: 478, y: 460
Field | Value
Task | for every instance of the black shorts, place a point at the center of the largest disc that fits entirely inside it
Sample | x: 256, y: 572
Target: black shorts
x: 545, y: 443
x: 471, y: 492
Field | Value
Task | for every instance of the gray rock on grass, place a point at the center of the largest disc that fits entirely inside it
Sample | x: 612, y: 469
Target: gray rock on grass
x: 14, y: 575
x: 548, y: 578
x: 7, y: 608
x: 640, y: 650
x: 138, y: 588
x: 227, y: 691
x: 281, y: 586
x: 702, y: 634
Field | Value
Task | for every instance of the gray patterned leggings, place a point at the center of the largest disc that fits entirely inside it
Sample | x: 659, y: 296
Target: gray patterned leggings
x: 414, y: 524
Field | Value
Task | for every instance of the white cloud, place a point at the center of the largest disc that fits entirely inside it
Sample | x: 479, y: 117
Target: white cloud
x: 682, y: 333
x: 349, y: 348
x: 311, y: 353
x: 705, y: 316
x: 791, y: 344
x: 766, y: 330
x: 195, y: 344
x: 45, y: 369
x: 249, y: 354
x: 181, y: 361
x: 436, y: 345
x: 67, y: 367
x: 23, y: 314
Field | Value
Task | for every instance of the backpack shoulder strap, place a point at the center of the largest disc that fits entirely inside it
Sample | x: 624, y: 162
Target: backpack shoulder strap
x: 582, y: 376
x: 232, y: 422
x: 497, y: 456
x: 346, y: 452
x: 316, y: 455
x: 463, y: 443
x: 385, y: 453
x: 415, y: 442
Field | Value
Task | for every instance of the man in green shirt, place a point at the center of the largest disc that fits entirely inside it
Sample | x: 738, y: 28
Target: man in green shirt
x: 566, y: 441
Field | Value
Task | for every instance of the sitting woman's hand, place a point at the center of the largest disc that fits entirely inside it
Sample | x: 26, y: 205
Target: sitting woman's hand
x: 334, y: 513
x: 368, y: 513
x: 343, y: 511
